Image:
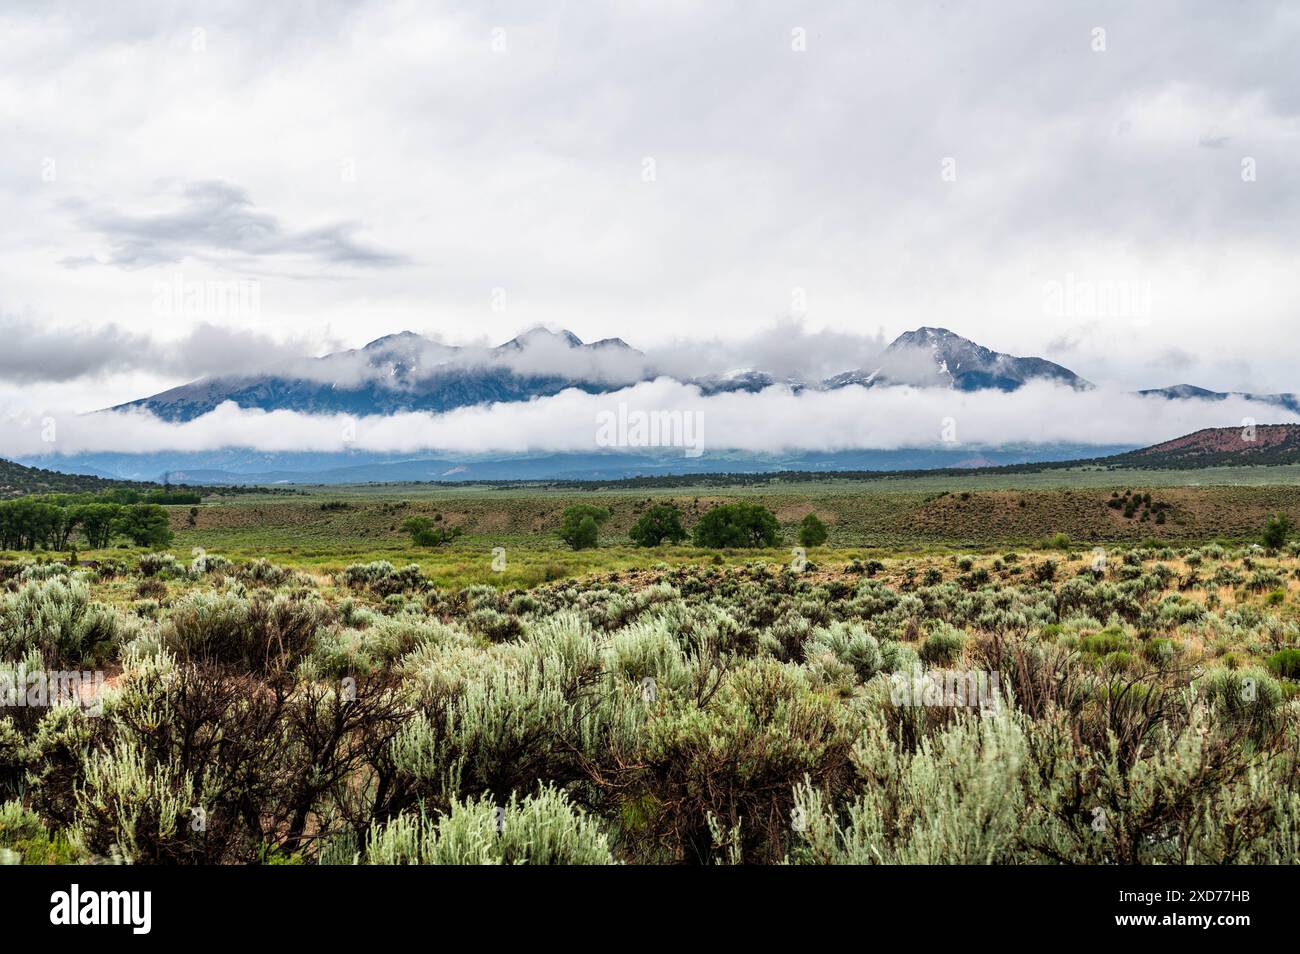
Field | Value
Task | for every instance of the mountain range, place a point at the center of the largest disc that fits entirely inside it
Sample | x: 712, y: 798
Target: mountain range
x: 401, y: 372
x: 409, y: 372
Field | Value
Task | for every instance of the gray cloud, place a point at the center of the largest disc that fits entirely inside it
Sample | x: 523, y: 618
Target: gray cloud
x: 786, y: 349
x: 1175, y: 359
x: 215, y: 221
x: 38, y: 353
x: 34, y: 353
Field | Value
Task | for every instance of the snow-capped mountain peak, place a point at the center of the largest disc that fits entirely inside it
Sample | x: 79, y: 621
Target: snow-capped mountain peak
x: 937, y: 357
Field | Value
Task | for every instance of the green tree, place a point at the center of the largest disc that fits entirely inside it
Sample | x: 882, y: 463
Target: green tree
x: 580, y: 526
x: 1276, y: 531
x: 146, y: 524
x: 64, y: 522
x: 28, y: 523
x: 97, y: 521
x: 662, y: 522
x: 812, y: 532
x: 737, y: 525
x: 424, y: 533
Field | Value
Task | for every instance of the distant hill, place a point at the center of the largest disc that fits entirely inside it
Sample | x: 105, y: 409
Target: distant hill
x: 232, y: 467
x: 1265, y: 444
x: 1271, y: 445
x: 19, y: 481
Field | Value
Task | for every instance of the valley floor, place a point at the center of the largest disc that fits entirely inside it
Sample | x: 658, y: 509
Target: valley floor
x: 327, y: 528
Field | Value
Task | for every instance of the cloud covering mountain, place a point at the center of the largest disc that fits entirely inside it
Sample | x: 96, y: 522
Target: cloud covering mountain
x: 774, y: 419
x: 406, y: 372
x: 546, y: 392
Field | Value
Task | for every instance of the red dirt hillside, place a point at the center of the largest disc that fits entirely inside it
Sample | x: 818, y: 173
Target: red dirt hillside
x: 1220, y: 446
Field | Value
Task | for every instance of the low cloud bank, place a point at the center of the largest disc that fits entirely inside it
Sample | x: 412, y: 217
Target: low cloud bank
x: 774, y: 420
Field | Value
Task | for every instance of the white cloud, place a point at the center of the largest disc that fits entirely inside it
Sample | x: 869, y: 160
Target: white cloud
x: 217, y: 221
x: 773, y: 420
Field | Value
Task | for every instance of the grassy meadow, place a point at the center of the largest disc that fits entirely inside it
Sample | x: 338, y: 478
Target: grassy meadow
x: 326, y: 528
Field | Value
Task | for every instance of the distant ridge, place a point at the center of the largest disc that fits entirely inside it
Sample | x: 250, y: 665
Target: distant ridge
x: 19, y: 481
x: 1184, y: 391
x: 408, y: 372
x: 1261, y: 444
x: 1273, y: 445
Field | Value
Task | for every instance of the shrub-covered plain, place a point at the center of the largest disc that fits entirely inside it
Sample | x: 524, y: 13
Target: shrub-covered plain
x: 1131, y: 706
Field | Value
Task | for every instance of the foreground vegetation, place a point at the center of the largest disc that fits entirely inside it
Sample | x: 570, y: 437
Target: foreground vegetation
x: 1132, y: 705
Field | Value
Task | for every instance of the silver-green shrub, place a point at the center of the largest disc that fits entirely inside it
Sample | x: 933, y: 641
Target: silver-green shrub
x: 57, y: 619
x: 540, y: 829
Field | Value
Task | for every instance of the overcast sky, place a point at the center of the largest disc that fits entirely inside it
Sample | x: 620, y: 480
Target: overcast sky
x: 1111, y: 186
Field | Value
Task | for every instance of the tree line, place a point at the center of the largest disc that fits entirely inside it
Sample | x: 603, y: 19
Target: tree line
x: 52, y: 522
x: 733, y: 525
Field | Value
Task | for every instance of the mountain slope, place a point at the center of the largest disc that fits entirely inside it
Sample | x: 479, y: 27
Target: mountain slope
x: 936, y: 357
x: 1265, y: 444
x: 1212, y: 447
x: 407, y: 372
x: 18, y: 481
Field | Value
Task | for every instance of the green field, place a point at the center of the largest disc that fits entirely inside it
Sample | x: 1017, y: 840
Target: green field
x: 329, y: 527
